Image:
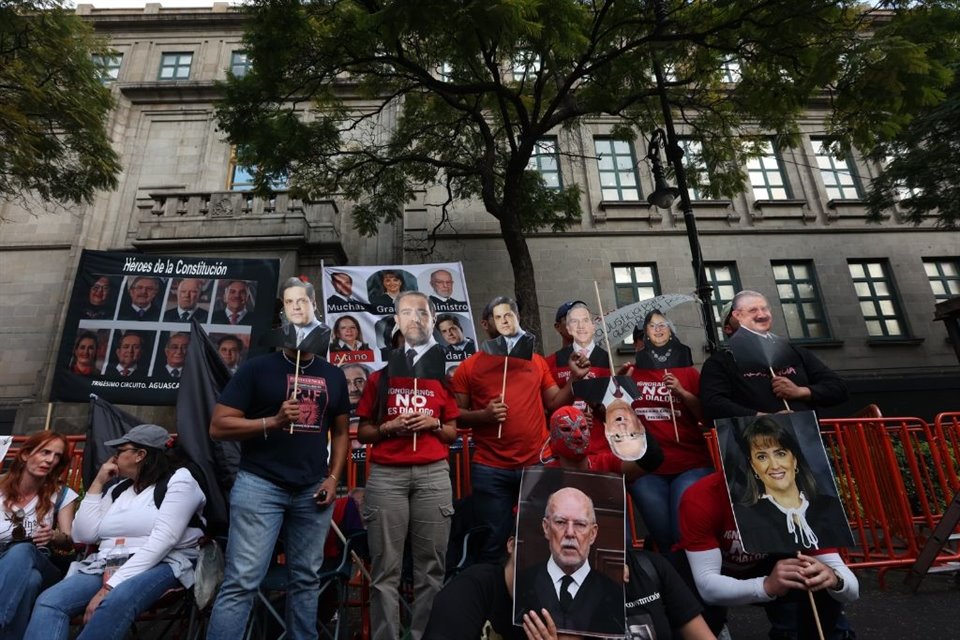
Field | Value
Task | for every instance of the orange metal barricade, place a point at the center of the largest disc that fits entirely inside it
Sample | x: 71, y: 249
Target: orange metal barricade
x: 947, y: 432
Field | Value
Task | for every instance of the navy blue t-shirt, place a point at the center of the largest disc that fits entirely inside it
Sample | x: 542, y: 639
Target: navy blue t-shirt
x: 259, y: 388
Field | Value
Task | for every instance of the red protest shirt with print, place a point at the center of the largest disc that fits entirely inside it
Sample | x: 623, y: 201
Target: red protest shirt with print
x: 431, y: 398
x: 707, y: 522
x: 605, y: 462
x: 653, y: 408
x: 525, y: 430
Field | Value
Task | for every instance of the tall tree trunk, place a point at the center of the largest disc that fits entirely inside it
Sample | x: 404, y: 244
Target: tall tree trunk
x: 524, y: 280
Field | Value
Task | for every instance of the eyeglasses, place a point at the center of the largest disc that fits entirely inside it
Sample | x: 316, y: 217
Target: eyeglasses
x: 658, y: 325
x: 124, y: 450
x: 561, y: 524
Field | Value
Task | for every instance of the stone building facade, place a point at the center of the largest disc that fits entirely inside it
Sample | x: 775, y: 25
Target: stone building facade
x: 861, y: 294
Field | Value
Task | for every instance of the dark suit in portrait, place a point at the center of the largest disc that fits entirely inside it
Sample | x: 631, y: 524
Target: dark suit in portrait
x: 763, y: 527
x: 523, y: 348
x: 164, y: 373
x: 173, y: 315
x: 431, y: 365
x: 220, y: 317
x: 114, y: 372
x: 127, y: 312
x: 597, y: 608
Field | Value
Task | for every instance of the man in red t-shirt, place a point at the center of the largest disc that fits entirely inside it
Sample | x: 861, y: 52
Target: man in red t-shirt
x: 508, y: 430
x: 409, y: 416
x: 726, y: 575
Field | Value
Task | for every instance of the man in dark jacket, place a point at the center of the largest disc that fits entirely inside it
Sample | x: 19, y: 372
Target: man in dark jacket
x: 731, y: 386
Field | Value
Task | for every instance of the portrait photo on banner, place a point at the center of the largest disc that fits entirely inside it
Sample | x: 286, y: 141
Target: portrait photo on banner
x: 570, y: 550
x: 781, y: 484
x: 129, y: 317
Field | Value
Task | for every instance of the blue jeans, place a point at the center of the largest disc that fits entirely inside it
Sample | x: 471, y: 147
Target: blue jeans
x: 116, y: 613
x: 258, y: 508
x: 24, y: 571
x: 658, y: 498
x: 495, y: 494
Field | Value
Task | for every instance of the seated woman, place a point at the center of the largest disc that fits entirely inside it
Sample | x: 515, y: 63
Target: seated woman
x: 162, y: 541
x: 29, y: 494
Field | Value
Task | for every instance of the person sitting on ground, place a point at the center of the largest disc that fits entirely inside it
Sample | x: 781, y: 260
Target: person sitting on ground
x: 162, y: 541
x: 29, y: 495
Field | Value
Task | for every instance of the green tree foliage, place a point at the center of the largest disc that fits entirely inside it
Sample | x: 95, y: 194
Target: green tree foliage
x: 53, y: 107
x: 374, y: 99
x: 922, y: 157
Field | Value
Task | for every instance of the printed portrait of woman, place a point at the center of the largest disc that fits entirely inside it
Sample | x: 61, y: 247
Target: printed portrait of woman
x: 662, y: 348
x: 100, y: 300
x: 385, y: 285
x: 347, y: 335
x: 786, y: 505
x: 84, y: 359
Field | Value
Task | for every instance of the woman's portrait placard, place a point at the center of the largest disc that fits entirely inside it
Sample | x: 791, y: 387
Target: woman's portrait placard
x: 781, y: 484
x: 385, y: 285
x: 662, y: 348
x: 570, y: 550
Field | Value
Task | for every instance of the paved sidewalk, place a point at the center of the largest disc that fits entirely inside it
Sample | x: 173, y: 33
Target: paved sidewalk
x: 882, y: 614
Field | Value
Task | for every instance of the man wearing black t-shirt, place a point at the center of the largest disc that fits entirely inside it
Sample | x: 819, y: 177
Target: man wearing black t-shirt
x: 282, y: 417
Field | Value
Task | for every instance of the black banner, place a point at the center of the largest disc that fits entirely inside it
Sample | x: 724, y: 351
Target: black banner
x: 128, y: 324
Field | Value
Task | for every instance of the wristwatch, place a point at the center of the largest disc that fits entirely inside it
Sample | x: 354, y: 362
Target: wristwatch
x: 840, y: 582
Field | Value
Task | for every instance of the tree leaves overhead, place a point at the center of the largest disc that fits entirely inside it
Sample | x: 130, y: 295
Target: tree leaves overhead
x: 53, y: 107
x: 374, y: 100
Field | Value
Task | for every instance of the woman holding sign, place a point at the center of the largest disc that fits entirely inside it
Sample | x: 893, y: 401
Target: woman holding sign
x: 409, y: 416
x: 668, y: 385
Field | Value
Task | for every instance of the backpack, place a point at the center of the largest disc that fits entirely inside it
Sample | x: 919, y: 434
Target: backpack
x: 160, y: 492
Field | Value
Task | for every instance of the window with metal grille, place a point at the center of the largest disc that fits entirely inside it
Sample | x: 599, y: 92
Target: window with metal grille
x: 800, y: 299
x: 879, y: 303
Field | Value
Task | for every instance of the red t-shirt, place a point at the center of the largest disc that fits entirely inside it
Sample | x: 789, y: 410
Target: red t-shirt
x: 525, y: 430
x: 599, y: 463
x: 431, y: 398
x: 706, y: 522
x: 653, y: 407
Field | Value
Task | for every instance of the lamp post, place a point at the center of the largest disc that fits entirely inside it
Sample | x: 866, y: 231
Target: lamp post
x: 663, y: 195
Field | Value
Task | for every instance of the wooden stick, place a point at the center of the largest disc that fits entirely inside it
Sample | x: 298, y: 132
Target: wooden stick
x: 353, y: 554
x: 816, y: 614
x: 673, y: 415
x: 606, y: 334
x: 414, y: 433
x: 296, y: 382
x: 785, y: 404
x: 503, y: 392
x: 46, y: 425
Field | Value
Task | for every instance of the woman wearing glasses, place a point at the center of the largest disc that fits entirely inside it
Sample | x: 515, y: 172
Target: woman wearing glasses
x: 30, y: 493
x: 670, y: 409
x: 162, y: 541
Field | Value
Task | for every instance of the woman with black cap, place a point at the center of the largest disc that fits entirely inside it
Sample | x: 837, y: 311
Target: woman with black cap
x: 161, y: 537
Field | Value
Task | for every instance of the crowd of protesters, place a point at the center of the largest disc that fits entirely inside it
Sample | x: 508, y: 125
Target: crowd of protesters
x: 293, y: 458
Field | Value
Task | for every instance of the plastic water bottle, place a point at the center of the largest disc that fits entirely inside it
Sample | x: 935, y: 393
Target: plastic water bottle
x: 115, y: 559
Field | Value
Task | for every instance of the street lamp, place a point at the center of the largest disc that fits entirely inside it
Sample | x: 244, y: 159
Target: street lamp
x: 663, y: 195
